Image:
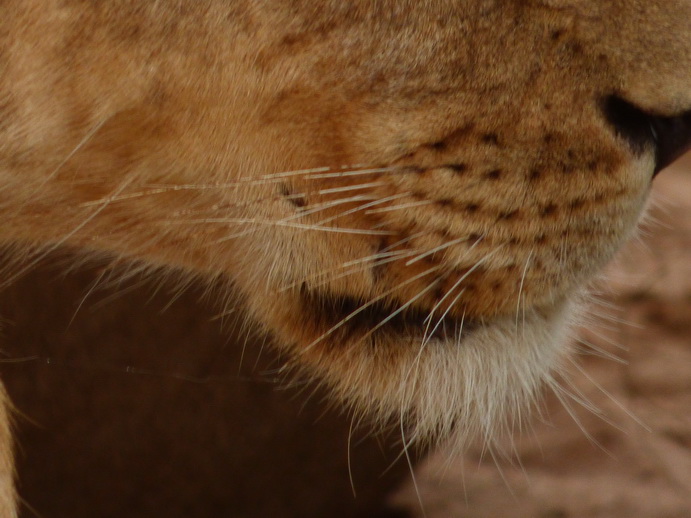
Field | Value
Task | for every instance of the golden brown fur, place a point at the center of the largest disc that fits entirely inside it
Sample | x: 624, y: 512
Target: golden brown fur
x: 340, y: 162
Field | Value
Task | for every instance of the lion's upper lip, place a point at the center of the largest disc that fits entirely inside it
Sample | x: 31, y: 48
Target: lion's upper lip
x: 354, y: 318
x: 671, y: 135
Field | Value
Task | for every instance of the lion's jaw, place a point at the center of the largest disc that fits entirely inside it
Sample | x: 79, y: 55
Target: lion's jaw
x: 433, y: 249
x: 484, y: 182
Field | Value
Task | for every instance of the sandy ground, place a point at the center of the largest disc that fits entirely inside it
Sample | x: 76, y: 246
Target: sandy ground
x: 627, y: 451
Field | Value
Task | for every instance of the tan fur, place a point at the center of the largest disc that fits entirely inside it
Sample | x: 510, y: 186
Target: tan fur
x: 445, y: 156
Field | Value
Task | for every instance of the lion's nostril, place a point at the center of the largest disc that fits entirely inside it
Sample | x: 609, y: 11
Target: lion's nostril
x: 670, y: 137
x: 630, y: 123
x: 673, y: 138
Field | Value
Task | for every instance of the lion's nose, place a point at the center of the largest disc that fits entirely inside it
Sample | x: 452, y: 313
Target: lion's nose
x: 670, y: 136
x: 673, y: 138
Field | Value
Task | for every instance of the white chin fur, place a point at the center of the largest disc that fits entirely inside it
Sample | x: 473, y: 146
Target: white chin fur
x: 478, y: 387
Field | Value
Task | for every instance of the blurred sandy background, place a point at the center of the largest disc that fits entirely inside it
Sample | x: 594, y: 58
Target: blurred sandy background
x: 630, y: 467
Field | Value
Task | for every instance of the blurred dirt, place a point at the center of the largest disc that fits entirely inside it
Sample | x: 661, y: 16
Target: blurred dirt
x: 631, y: 457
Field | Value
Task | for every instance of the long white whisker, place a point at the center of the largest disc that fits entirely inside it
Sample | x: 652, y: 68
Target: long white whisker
x: 297, y: 172
x: 384, y: 257
x: 592, y: 349
x: 426, y: 336
x: 610, y: 396
x: 164, y: 189
x: 260, y: 222
x: 314, y: 173
x: 464, y: 276
x: 369, y: 304
x: 378, y: 201
x: 401, y: 207
x: 91, y: 289
x: 561, y: 395
x: 350, y: 456
x: 360, y: 172
x: 439, y: 249
x: 327, y: 205
x: 76, y: 149
x: 402, y: 308
x: 361, y: 264
x: 520, y: 287
x: 386, y: 260
x: 329, y: 172
x: 410, y: 467
x: 348, y: 188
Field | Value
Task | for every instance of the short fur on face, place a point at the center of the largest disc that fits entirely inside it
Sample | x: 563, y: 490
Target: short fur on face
x: 410, y: 196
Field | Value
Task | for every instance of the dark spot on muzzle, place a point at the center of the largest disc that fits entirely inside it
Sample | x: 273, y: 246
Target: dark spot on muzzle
x: 670, y: 137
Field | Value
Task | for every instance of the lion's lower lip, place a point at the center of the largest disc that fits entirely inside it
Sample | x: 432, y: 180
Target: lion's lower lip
x: 354, y: 318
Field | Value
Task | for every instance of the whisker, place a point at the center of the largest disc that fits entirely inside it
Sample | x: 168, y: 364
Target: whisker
x: 385, y: 254
x: 154, y: 189
x: 327, y: 205
x: 463, y: 277
x: 440, y: 248
x: 401, y: 308
x: 279, y: 223
x: 76, y: 149
x: 592, y: 349
x: 297, y: 172
x: 401, y: 207
x: 378, y: 256
x: 450, y: 291
x: 370, y: 303
x: 362, y: 267
x: 427, y: 336
x: 611, y: 398
x: 362, y: 207
x: 347, y: 188
x: 213, y: 208
x: 309, y: 174
x: 161, y: 190
x: 358, y: 172
x: 387, y: 257
x: 607, y: 340
x: 120, y: 292
x: 329, y: 172
x: 349, y: 456
x: 561, y: 394
x: 406, y: 446
x: 91, y: 289
x: 520, y: 287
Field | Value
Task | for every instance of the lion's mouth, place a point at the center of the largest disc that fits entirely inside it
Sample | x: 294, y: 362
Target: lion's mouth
x: 351, y: 319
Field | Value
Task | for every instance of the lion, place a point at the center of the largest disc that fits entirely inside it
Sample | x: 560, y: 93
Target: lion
x: 411, y: 198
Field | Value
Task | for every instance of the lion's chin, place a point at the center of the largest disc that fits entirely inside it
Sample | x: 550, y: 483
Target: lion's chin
x: 459, y: 380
